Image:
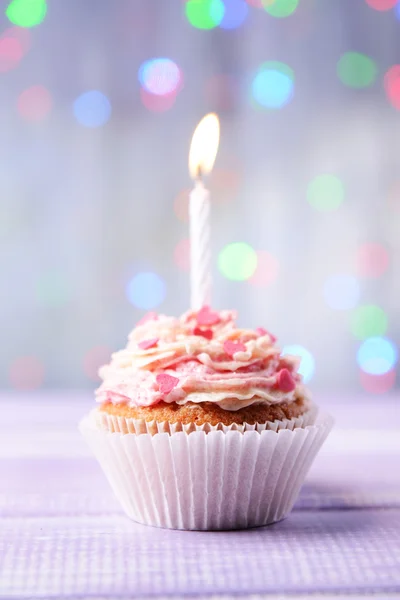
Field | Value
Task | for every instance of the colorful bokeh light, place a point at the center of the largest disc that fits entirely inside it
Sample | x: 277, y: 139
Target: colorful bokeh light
x: 26, y: 373
x: 356, y: 70
x: 307, y: 363
x: 26, y: 13
x: 94, y: 359
x: 392, y: 86
x: 378, y: 384
x: 377, y: 356
x: 372, y: 260
x: 92, y: 109
x: 273, y: 85
x: 237, y: 261
x: 146, y: 290
x: 34, y: 103
x: 280, y: 8
x: 157, y: 104
x: 342, y: 292
x: 181, y: 205
x: 160, y: 76
x: 235, y: 13
x: 205, y: 14
x: 382, y: 5
x: 11, y: 51
x: 325, y: 192
x: 267, y: 269
x: 182, y: 255
x: 369, y: 321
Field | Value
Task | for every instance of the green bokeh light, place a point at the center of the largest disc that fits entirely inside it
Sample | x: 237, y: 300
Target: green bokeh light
x: 52, y: 289
x: 237, y: 261
x: 356, y: 70
x: 205, y: 14
x: 26, y: 13
x: 280, y: 8
x: 325, y: 192
x: 369, y: 321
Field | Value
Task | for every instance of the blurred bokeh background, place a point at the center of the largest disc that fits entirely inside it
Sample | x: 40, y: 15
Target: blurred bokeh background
x: 98, y: 103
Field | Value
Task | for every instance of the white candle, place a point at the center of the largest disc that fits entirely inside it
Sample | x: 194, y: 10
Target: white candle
x: 200, y: 251
x: 203, y: 151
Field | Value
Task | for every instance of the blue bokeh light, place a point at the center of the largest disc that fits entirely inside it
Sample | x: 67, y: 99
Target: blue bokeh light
x: 377, y: 355
x: 342, y: 292
x: 307, y: 364
x: 92, y: 109
x: 160, y: 76
x: 146, y: 290
x: 272, y: 87
x: 235, y: 14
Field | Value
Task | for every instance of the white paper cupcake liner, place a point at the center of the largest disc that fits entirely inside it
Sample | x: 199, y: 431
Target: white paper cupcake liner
x: 207, y: 480
x: 125, y: 425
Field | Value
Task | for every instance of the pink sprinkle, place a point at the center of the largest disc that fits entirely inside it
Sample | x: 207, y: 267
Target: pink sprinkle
x: 231, y: 348
x: 206, y: 333
x: 146, y: 344
x: 150, y: 316
x: 261, y: 331
x: 206, y: 316
x: 166, y: 383
x: 285, y: 381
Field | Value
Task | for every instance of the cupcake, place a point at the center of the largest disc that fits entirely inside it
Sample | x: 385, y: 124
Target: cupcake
x: 203, y: 425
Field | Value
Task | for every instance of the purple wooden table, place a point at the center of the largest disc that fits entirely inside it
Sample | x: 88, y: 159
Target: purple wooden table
x: 63, y: 535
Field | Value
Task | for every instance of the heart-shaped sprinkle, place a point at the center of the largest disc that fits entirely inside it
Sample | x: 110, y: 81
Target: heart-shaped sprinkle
x: 146, y: 344
x: 166, y: 383
x: 261, y: 331
x: 285, y: 381
x: 150, y: 316
x: 231, y: 348
x: 206, y: 333
x: 207, y: 317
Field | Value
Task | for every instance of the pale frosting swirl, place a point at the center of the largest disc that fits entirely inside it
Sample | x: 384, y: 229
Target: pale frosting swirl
x: 200, y: 357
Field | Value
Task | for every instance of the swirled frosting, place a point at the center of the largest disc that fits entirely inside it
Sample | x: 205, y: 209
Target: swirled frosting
x: 200, y: 357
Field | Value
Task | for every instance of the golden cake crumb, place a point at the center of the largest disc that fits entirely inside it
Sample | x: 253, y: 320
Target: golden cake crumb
x: 208, y: 412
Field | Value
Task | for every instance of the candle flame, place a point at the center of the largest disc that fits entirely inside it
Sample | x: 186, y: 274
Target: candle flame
x: 204, y: 146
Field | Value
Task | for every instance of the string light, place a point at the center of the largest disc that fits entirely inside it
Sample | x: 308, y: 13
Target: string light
x: 26, y: 373
x: 273, y: 85
x: 237, y: 261
x: 307, y: 362
x: 392, y: 86
x: 356, y: 70
x: 325, y: 192
x: 34, y: 103
x: 11, y: 51
x: 382, y: 5
x: 182, y: 255
x: 378, y: 384
x: 341, y: 292
x: 160, y: 76
x: 372, y: 260
x: 146, y: 290
x: 92, y: 109
x: 377, y: 356
x: 235, y: 13
x: 26, y: 13
x: 204, y: 14
x: 267, y: 269
x: 368, y: 321
x: 280, y: 8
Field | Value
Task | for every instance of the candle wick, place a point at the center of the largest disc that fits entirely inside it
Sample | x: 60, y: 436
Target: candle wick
x: 199, y: 175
